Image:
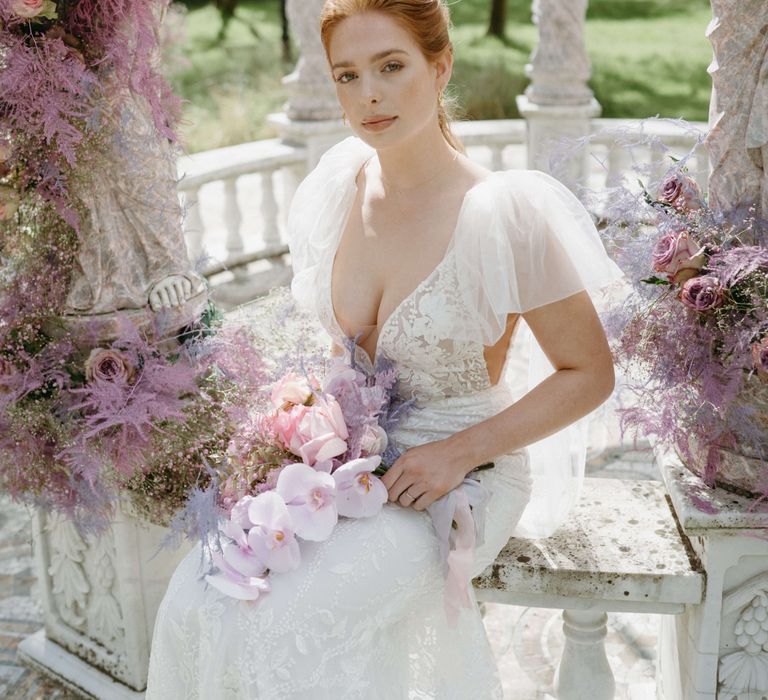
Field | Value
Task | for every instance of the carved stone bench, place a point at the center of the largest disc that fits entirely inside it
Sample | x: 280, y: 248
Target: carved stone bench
x: 620, y: 551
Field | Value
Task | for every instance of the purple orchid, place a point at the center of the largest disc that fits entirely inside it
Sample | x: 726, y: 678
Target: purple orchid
x: 310, y: 497
x: 359, y: 493
x: 272, y: 536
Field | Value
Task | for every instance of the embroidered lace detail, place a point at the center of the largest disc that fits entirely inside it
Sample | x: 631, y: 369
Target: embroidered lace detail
x: 417, y: 337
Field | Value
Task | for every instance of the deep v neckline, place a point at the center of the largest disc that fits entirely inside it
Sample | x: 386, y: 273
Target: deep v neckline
x: 381, y: 328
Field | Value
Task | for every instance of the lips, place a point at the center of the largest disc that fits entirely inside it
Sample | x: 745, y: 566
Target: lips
x: 372, y: 121
x: 375, y: 125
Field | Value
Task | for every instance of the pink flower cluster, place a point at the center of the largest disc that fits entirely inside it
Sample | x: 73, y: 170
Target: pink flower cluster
x: 678, y: 256
x: 263, y: 530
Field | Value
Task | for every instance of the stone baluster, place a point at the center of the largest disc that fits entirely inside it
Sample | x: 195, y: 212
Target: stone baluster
x: 194, y: 231
x: 232, y: 220
x: 497, y: 157
x: 558, y: 103
x: 584, y: 672
x: 312, y: 116
x: 269, y: 210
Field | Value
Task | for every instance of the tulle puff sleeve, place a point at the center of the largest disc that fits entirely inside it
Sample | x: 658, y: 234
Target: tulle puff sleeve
x: 318, y: 212
x: 528, y: 242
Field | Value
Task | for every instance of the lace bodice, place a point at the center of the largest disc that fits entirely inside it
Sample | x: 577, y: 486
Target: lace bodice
x: 416, y: 337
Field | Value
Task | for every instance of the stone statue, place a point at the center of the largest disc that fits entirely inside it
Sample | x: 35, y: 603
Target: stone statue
x: 559, y: 67
x: 738, y: 115
x: 132, y: 250
x: 311, y: 92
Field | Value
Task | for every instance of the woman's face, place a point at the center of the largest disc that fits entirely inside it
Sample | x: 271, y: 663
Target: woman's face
x: 387, y: 88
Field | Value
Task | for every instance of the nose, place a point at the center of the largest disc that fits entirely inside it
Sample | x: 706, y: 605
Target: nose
x: 370, y: 93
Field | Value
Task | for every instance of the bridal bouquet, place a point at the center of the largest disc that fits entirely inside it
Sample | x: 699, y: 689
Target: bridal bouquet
x: 693, y: 339
x: 293, y: 471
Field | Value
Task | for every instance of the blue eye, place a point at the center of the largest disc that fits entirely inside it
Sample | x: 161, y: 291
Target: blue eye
x: 345, y: 77
x: 392, y: 66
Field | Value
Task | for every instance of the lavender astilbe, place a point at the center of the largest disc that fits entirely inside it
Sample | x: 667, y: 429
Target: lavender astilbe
x: 199, y: 518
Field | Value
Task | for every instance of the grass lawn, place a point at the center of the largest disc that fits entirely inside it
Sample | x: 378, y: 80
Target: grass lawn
x: 648, y: 57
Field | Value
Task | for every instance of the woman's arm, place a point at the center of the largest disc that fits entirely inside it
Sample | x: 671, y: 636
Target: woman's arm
x: 570, y: 334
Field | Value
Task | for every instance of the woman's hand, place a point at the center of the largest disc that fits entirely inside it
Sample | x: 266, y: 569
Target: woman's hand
x: 423, y: 474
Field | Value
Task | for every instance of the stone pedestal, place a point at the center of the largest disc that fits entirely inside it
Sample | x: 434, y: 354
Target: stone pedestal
x: 719, y: 648
x: 100, y: 597
x: 547, y: 126
x: 316, y: 136
x: 558, y: 104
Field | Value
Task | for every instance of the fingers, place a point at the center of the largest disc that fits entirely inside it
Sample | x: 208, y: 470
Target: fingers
x: 181, y: 295
x: 164, y: 298
x: 172, y: 295
x: 154, y: 300
x: 187, y: 285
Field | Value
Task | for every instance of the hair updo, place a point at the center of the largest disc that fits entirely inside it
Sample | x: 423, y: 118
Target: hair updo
x: 427, y: 21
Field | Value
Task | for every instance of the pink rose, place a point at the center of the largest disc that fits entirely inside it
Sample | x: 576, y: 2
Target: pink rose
x: 681, y: 191
x: 679, y: 256
x: 27, y: 9
x: 9, y: 202
x: 291, y: 389
x: 760, y: 358
x: 109, y: 366
x: 702, y: 293
x: 315, y: 433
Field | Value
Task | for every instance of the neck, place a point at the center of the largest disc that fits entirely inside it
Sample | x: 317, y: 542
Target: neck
x: 417, y: 162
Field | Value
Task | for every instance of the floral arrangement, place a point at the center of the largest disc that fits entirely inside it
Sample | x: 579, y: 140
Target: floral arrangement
x: 693, y: 338
x: 299, y: 467
x: 81, y: 417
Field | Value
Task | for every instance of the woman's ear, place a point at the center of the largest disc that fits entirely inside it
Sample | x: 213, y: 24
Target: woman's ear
x: 443, y: 69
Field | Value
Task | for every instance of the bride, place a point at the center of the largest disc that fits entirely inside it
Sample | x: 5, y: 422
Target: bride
x: 431, y: 260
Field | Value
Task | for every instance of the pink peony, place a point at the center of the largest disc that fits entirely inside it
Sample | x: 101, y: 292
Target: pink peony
x: 292, y: 389
x: 9, y: 202
x: 109, y: 366
x: 359, y: 492
x: 681, y: 191
x: 311, y: 500
x: 28, y: 9
x: 315, y: 433
x: 702, y: 293
x: 679, y: 256
x: 760, y: 358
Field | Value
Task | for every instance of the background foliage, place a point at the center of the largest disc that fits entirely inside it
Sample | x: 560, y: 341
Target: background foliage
x: 649, y: 57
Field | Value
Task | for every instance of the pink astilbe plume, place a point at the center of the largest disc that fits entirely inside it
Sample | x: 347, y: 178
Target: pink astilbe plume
x: 127, y: 414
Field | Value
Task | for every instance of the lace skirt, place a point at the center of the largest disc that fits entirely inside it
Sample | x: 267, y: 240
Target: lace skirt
x: 363, y: 616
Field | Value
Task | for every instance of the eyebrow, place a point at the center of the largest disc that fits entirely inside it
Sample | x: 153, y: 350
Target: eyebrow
x: 374, y: 58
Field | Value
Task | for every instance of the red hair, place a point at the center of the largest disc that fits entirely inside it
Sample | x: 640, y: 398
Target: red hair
x: 427, y: 21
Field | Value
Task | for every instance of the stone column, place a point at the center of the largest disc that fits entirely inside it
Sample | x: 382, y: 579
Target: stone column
x: 738, y: 112
x: 558, y: 103
x: 312, y: 116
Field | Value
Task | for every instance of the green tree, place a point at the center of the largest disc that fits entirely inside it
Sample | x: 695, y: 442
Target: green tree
x: 498, y: 22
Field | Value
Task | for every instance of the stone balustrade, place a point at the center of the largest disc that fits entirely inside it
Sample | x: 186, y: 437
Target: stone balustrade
x: 244, y: 219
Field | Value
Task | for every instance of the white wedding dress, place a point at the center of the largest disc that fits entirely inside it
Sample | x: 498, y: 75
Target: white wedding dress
x: 364, y: 615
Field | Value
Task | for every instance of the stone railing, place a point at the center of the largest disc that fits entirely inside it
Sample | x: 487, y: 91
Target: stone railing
x: 236, y: 198
x: 255, y: 181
